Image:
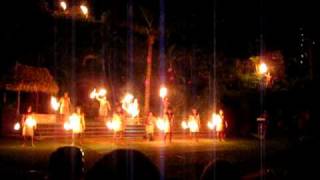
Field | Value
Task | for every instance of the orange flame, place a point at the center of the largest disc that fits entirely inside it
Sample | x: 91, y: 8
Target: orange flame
x: 84, y: 9
x: 31, y: 122
x: 184, y: 125
x: 63, y: 5
x: 215, y: 122
x: 130, y: 105
x: 163, y: 92
x: 114, y: 124
x: 16, y: 126
x: 101, y: 93
x: 73, y: 123
x: 54, y: 103
x: 163, y: 125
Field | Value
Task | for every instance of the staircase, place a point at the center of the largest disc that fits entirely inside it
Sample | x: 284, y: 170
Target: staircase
x: 98, y: 129
x: 93, y: 129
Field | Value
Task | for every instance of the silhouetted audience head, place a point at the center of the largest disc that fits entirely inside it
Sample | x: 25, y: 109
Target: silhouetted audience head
x: 220, y: 170
x: 124, y: 164
x: 66, y: 163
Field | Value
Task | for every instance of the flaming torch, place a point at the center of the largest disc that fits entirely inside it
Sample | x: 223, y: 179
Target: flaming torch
x: 114, y: 124
x: 73, y: 123
x: 193, y: 126
x: 31, y: 122
x: 101, y: 93
x: 17, y: 126
x: 162, y: 125
x: 215, y: 122
x: 184, y: 125
x: 93, y: 94
x: 130, y: 105
x: 163, y: 92
x: 63, y: 5
x: 84, y: 9
x: 67, y: 126
x: 55, y: 103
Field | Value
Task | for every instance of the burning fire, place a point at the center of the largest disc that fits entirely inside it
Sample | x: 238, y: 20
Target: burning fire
x: 73, y: 123
x: 54, y: 103
x: 67, y: 126
x: 94, y: 93
x: 216, y: 122
x: 84, y: 10
x: 163, y: 125
x: 184, y: 125
x: 130, y: 105
x: 163, y: 92
x: 16, y: 126
x: 114, y: 124
x: 63, y: 5
x: 31, y: 122
x: 193, y: 126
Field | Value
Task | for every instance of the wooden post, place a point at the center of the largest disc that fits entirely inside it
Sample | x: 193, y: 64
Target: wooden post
x: 18, y: 103
x: 37, y: 102
x: 4, y: 97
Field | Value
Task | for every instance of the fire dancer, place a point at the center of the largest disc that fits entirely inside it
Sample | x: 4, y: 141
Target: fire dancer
x: 166, y: 104
x: 194, y: 124
x: 118, y: 124
x: 150, y: 121
x: 262, y: 125
x: 169, y: 117
x: 65, y: 106
x: 220, y: 126
x: 104, y: 107
x: 29, y: 124
x: 78, y: 126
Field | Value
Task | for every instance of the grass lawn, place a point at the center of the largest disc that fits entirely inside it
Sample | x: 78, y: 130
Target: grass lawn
x: 182, y: 159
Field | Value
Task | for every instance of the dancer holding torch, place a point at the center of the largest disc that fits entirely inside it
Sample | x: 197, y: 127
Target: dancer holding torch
x: 194, y: 123
x: 29, y: 124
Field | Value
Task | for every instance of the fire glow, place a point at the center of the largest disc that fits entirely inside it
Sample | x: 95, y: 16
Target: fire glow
x: 73, y: 123
x: 101, y: 93
x: 54, y: 103
x: 16, y: 126
x: 184, y: 125
x: 163, y: 92
x: 130, y: 105
x: 114, y: 124
x: 191, y: 125
x: 31, y: 122
x: 63, y: 5
x: 215, y: 123
x: 162, y: 125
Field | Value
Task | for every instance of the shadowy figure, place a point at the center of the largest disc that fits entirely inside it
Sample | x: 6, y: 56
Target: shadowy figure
x: 29, y: 124
x: 220, y: 169
x: 66, y: 163
x: 123, y: 164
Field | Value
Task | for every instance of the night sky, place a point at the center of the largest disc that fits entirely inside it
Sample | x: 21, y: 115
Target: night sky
x: 240, y: 25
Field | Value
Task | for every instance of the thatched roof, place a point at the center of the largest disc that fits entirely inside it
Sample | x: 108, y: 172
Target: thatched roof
x: 30, y: 79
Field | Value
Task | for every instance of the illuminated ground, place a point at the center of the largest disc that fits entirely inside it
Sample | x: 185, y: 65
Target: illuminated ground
x: 183, y: 159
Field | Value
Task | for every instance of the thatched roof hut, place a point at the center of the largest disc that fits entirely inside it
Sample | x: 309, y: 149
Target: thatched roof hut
x: 30, y: 79
x: 23, y: 78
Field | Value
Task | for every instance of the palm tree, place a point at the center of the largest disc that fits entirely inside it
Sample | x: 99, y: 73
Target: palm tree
x: 150, y: 32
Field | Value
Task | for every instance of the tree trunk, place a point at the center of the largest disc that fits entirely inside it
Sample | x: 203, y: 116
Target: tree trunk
x: 148, y: 74
x: 18, y: 103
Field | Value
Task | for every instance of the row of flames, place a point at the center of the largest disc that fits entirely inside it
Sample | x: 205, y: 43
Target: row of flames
x: 115, y: 123
x: 129, y: 105
x: 215, y: 123
x: 30, y: 123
